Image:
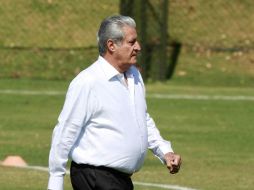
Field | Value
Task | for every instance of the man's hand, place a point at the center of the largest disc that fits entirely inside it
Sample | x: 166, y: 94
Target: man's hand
x: 173, y: 162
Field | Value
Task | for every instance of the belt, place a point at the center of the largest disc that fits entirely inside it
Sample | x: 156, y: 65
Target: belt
x: 102, y: 168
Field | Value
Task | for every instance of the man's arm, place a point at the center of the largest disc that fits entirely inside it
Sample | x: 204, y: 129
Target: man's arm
x: 162, y: 148
x: 75, y: 113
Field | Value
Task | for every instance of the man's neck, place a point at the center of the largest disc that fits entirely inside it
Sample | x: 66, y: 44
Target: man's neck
x: 118, y: 66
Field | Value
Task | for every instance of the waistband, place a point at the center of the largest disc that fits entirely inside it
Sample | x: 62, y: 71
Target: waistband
x: 103, y: 168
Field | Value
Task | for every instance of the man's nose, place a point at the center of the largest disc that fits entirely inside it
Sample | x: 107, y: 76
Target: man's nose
x: 137, y: 46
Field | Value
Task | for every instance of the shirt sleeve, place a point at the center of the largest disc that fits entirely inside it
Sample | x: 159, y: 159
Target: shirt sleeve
x: 156, y: 143
x: 75, y: 113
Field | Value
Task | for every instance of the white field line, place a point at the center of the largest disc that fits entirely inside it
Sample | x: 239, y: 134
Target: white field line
x: 162, y: 186
x: 200, y: 97
x: 158, y: 96
x: 32, y: 92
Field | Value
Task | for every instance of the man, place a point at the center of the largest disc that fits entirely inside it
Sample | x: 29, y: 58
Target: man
x: 104, y: 127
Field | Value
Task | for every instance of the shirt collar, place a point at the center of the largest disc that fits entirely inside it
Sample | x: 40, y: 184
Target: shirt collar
x: 107, y: 68
x: 129, y: 72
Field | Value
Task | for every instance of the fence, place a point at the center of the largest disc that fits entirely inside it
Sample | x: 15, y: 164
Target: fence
x: 38, y: 37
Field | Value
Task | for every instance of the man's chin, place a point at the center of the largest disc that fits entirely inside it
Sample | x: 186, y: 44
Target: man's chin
x: 134, y: 61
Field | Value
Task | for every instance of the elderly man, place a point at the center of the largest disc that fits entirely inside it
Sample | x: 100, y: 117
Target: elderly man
x: 104, y: 127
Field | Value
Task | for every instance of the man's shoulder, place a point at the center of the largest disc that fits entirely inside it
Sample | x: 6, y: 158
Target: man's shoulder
x: 88, y: 76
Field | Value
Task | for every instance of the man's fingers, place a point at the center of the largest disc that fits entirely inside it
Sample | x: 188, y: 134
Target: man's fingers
x: 174, y: 169
x: 173, y: 162
x: 176, y: 161
x: 169, y: 165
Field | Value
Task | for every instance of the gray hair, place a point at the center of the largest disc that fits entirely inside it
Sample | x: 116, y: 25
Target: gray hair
x: 112, y: 28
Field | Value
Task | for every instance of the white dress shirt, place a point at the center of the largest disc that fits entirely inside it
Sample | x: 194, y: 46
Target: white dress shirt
x: 104, y: 122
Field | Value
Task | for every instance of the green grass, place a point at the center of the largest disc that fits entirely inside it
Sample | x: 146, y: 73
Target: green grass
x: 67, y: 28
x: 214, y: 69
x: 50, y: 23
x: 213, y: 23
x: 63, y: 25
x: 214, y: 137
x: 39, y: 64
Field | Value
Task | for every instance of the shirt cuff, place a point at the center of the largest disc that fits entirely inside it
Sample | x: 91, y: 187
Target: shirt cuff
x: 55, y: 183
x: 164, y: 149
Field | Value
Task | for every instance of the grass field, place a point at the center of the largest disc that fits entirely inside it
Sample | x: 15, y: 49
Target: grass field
x: 206, y: 110
x: 214, y: 137
x: 62, y: 26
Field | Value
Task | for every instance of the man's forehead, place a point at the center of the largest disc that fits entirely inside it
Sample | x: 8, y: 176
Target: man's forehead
x: 130, y: 31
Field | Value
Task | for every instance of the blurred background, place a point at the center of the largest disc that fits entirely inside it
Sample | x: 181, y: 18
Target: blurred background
x: 186, y: 41
x: 197, y: 60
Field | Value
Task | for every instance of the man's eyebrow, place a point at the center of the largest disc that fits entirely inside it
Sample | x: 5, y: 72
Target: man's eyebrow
x: 133, y: 38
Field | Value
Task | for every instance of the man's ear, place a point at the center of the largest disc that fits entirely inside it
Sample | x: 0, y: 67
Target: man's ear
x: 111, y: 45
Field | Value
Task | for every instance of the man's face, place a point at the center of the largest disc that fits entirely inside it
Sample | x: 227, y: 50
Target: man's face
x: 126, y: 52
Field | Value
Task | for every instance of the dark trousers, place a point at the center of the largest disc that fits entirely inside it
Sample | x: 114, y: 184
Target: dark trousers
x: 87, y: 177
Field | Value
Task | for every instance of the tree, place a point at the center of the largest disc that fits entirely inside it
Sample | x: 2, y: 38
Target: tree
x: 152, y: 27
